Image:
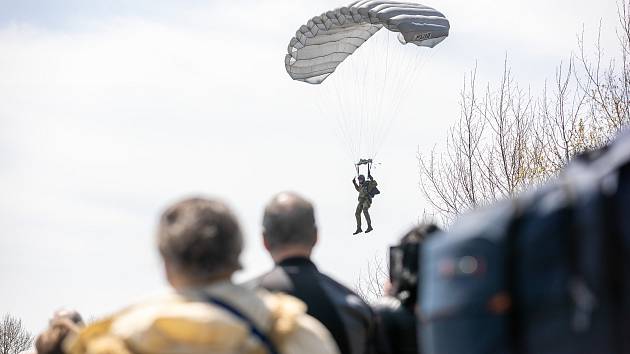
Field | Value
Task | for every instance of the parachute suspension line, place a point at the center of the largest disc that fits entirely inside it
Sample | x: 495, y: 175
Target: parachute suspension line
x: 391, y: 91
x: 358, y: 129
x: 377, y: 82
x: 356, y: 73
x: 417, y: 70
x: 358, y: 103
x: 365, y: 119
x: 346, y: 119
x: 383, y: 91
x: 403, y: 78
x: 354, y: 128
x: 339, y: 132
x: 424, y: 59
x: 411, y: 66
x: 365, y: 113
x: 341, y: 116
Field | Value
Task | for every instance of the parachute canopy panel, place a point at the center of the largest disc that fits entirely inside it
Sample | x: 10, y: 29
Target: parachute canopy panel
x: 327, y: 40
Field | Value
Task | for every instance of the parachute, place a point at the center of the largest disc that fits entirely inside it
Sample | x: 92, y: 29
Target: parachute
x: 368, y: 87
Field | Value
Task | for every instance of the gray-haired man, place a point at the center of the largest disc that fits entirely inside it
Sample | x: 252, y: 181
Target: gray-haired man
x: 289, y: 234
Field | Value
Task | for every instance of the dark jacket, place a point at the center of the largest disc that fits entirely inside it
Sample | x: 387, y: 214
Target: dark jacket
x: 397, y: 325
x: 348, y: 318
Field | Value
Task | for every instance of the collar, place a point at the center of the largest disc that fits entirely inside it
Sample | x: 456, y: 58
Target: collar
x: 246, y: 300
x: 297, y: 261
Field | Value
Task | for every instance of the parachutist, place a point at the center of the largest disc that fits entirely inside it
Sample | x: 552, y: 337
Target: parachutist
x: 367, y: 190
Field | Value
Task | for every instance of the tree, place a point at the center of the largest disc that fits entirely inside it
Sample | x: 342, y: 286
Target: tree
x: 506, y: 140
x: 14, y: 338
x: 488, y: 151
x: 607, y: 82
x: 370, y: 284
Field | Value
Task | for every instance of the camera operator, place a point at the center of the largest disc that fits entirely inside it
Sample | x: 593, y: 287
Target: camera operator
x: 396, y: 313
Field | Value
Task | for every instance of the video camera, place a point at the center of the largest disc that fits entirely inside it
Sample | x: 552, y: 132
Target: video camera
x: 396, y: 312
x: 404, y: 264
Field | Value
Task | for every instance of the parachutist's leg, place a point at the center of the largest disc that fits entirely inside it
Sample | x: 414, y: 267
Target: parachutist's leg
x: 366, y: 207
x: 357, y: 215
x: 367, y: 217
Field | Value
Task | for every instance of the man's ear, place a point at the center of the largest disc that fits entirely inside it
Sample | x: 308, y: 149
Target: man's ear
x: 265, y: 242
x: 169, y: 272
x: 316, y: 238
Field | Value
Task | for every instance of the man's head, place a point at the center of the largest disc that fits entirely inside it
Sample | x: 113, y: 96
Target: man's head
x: 200, y: 241
x: 289, y: 226
x: 361, y: 179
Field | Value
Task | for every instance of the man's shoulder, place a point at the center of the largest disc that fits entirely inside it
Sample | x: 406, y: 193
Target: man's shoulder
x: 156, y: 326
x: 348, y: 295
x: 277, y: 280
x: 274, y: 280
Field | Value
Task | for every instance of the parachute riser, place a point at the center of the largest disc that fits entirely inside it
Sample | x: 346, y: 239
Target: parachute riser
x: 361, y: 162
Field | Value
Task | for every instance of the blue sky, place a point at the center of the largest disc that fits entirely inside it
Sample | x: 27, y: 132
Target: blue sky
x: 111, y: 110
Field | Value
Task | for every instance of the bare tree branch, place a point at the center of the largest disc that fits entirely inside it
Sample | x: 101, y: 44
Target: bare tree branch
x: 14, y: 338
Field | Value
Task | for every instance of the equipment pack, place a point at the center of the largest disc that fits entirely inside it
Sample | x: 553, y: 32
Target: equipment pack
x: 547, y: 273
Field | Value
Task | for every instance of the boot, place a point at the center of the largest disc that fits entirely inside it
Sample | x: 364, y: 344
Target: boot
x: 358, y: 231
x: 368, y: 219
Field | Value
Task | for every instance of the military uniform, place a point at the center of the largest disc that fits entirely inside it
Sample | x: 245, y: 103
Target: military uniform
x: 365, y: 201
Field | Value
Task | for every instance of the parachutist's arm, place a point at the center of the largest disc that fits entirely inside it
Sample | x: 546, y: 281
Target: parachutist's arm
x: 356, y: 186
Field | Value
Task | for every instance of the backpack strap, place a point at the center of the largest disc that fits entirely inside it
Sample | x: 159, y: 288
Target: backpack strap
x: 264, y: 339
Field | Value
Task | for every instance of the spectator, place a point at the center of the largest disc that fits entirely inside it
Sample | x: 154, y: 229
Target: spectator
x: 289, y: 234
x: 396, y: 313
x: 200, y: 242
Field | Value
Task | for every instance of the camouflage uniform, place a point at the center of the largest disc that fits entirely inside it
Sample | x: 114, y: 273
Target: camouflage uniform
x: 365, y: 201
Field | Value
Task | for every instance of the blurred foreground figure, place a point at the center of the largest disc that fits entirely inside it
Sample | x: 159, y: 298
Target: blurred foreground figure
x: 200, y: 242
x: 63, y: 324
x: 290, y: 233
x: 547, y: 273
x: 396, y: 313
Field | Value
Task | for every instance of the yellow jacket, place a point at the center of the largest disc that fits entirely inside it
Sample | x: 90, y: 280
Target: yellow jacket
x: 184, y: 323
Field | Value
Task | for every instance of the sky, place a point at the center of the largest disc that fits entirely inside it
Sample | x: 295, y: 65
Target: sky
x: 110, y: 111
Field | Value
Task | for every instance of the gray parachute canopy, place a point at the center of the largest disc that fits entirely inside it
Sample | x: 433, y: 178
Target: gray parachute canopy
x: 327, y: 40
